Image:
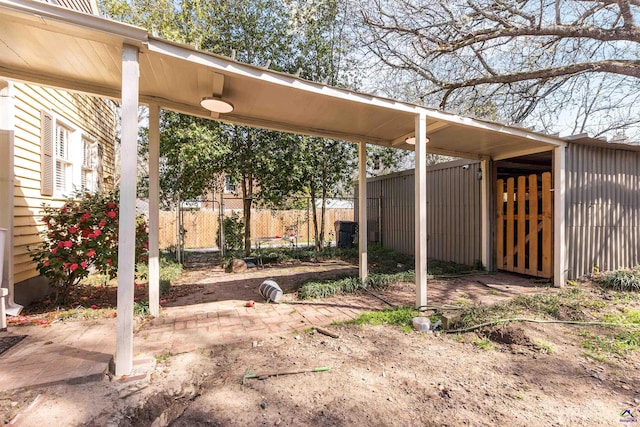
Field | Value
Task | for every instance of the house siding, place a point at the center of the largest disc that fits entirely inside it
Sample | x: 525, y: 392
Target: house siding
x: 94, y: 116
x: 602, y: 209
x: 453, y: 211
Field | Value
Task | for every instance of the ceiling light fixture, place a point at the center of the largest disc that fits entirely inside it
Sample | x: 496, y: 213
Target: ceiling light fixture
x: 412, y: 140
x: 216, y: 104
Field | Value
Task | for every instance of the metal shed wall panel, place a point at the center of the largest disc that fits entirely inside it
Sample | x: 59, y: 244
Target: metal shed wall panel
x: 603, y: 209
x: 453, y: 211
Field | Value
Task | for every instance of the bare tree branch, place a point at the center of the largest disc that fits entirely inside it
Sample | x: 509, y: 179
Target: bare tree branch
x: 626, y: 68
x: 514, y: 58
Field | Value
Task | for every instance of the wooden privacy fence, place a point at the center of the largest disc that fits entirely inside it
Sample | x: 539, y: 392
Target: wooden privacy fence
x: 524, y: 226
x: 202, y: 225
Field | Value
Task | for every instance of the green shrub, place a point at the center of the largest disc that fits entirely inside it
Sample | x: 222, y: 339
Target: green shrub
x: 327, y: 288
x: 324, y: 289
x: 233, y: 232
x: 621, y: 280
x: 170, y: 271
x: 81, y: 236
x: 401, y: 316
x: 141, y: 308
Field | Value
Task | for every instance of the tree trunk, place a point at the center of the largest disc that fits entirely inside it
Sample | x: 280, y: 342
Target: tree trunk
x: 247, y: 192
x: 316, y: 237
x: 322, y: 216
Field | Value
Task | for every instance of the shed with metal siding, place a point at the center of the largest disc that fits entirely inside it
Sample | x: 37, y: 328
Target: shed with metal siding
x: 453, y: 210
x: 602, y: 208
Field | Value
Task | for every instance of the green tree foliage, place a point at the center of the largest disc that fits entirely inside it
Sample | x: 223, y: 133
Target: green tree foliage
x: 192, y: 155
x: 308, y: 37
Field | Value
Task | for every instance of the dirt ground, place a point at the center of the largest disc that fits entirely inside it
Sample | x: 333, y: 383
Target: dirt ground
x: 529, y: 374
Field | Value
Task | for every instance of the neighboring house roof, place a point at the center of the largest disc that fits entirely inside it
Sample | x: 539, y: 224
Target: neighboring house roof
x: 85, y: 6
x: 336, y: 203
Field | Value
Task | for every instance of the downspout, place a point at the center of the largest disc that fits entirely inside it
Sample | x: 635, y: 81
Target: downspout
x: 7, y: 122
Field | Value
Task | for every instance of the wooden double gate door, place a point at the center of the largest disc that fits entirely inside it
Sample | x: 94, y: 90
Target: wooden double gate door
x: 524, y: 231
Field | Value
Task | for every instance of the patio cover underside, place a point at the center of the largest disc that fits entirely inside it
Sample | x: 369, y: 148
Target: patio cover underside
x: 53, y: 46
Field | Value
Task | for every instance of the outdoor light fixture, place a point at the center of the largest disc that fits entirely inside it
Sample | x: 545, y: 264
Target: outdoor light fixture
x: 412, y: 140
x: 217, y: 105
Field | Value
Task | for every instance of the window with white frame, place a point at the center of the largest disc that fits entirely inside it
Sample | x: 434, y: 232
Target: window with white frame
x: 70, y: 159
x: 63, y: 161
x: 229, y: 185
x: 89, y: 164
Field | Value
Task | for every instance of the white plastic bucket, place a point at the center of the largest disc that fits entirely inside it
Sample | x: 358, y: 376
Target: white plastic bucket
x: 270, y: 290
x: 422, y: 324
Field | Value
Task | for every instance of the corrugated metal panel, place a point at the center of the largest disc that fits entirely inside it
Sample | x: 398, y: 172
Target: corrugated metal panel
x: 603, y: 209
x: 85, y: 6
x: 453, y: 211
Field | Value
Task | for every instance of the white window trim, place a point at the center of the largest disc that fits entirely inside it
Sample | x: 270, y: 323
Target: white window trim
x: 68, y: 161
x: 93, y: 169
x: 229, y: 188
x: 75, y: 158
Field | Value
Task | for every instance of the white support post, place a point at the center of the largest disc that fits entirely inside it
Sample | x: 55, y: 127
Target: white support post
x: 127, y: 226
x: 485, y: 191
x: 362, y: 210
x: 154, y: 206
x: 421, y: 209
x: 559, y: 249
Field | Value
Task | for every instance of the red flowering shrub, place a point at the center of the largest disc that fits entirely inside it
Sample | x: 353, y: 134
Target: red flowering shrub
x: 81, y: 237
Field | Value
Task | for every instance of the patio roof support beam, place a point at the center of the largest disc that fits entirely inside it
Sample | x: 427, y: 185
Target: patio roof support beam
x: 421, y: 209
x: 154, y: 206
x: 559, y: 209
x: 127, y: 217
x: 362, y: 210
x: 485, y: 192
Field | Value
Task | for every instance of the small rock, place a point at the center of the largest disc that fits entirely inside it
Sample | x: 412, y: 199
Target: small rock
x: 297, y: 337
x: 237, y: 266
x: 254, y: 344
x: 264, y: 405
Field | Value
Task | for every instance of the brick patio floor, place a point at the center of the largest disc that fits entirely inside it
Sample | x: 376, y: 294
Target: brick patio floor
x: 81, y: 351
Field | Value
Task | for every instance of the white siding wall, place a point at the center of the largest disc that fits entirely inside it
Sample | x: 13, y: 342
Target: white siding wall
x: 94, y: 116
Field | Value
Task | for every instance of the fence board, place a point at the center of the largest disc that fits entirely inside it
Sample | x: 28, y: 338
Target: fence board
x: 523, y: 232
x: 510, y: 222
x: 547, y: 215
x: 533, y: 225
x: 521, y: 199
x: 500, y: 227
x: 202, y: 225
